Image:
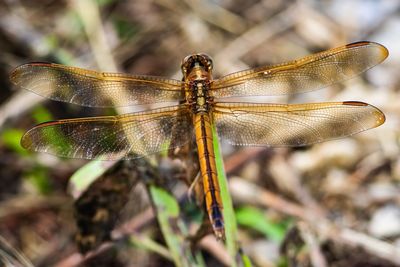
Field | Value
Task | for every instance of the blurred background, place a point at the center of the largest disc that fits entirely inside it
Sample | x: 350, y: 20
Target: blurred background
x: 331, y: 204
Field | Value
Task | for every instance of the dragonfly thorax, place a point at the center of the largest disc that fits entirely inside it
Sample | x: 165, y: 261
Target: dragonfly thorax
x: 199, y: 97
x: 196, y: 71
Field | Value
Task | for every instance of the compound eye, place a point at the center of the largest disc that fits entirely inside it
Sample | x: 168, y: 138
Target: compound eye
x: 187, y: 63
x: 207, y: 60
x: 185, y: 60
x: 209, y: 64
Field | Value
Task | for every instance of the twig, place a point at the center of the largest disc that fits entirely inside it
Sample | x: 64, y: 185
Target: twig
x: 324, y: 227
x: 253, y: 37
x: 217, y: 15
x: 215, y: 248
x: 316, y: 256
x: 90, y: 16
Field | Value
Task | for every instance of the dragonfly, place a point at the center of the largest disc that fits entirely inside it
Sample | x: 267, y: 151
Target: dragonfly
x: 202, y: 104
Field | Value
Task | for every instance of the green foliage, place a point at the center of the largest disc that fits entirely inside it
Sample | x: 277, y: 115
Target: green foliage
x: 104, y: 2
x: 246, y: 260
x: 11, y: 139
x: 228, y: 212
x: 165, y: 202
x: 125, y: 29
x: 86, y: 175
x: 282, y: 262
x: 172, y: 227
x: 256, y: 219
x: 41, y: 114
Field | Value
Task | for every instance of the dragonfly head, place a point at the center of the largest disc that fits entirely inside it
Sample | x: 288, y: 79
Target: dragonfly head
x: 196, y: 62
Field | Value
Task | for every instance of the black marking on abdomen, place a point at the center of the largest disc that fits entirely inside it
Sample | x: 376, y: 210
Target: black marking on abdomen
x: 216, y: 214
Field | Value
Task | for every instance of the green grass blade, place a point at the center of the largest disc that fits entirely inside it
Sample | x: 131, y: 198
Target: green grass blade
x: 228, y: 212
x: 149, y: 244
x: 246, y: 260
x: 146, y: 243
x: 173, y: 229
x: 86, y: 175
x: 256, y: 219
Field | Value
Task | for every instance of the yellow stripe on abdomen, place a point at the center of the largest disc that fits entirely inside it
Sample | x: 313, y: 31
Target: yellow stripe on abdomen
x: 208, y: 170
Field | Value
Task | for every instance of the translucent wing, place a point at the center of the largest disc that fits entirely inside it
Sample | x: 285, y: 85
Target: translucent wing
x: 293, y: 125
x: 94, y: 89
x: 306, y: 74
x: 112, y: 137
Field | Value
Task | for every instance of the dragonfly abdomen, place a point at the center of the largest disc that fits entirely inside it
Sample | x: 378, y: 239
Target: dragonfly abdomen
x: 208, y: 170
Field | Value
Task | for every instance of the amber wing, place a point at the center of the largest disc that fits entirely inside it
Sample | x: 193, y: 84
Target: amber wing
x: 112, y: 137
x: 94, y: 89
x: 293, y: 125
x: 303, y: 75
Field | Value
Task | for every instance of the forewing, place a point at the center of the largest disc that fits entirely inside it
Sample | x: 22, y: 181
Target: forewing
x: 112, y: 137
x: 293, y: 125
x: 94, y: 89
x: 303, y: 75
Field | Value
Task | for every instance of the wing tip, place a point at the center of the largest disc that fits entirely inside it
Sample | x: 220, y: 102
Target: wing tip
x: 26, y: 141
x: 383, y: 51
x: 379, y: 116
x: 17, y: 71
